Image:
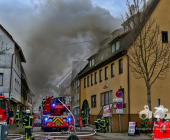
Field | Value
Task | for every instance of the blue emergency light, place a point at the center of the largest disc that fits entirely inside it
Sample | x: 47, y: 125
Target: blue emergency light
x: 46, y: 118
x: 0, y: 94
x: 69, y: 119
x: 53, y: 104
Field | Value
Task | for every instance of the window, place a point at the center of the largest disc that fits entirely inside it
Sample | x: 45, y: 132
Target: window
x: 117, y: 45
x: 1, y: 79
x: 2, y: 104
x: 113, y: 48
x: 106, y: 72
x: 100, y: 75
x: 87, y: 81
x: 95, y: 77
x: 93, y: 101
x: 105, y: 98
x: 92, y: 62
x: 84, y: 82
x: 164, y: 37
x: 112, y: 70
x: 92, y: 79
x: 120, y: 66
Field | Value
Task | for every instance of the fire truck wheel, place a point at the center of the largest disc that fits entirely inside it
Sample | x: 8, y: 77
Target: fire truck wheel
x: 73, y: 137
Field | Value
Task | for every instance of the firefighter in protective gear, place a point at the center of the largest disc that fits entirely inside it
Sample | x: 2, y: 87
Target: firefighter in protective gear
x: 43, y: 102
x: 83, y: 118
x: 97, y: 123
x: 165, y: 129
x: 103, y: 124
x: 28, y: 122
x: 23, y: 117
x: 157, y: 126
x: 17, y: 117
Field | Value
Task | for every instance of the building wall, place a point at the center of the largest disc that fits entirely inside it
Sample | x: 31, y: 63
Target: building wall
x: 116, y: 83
x: 5, y: 64
x: 160, y: 89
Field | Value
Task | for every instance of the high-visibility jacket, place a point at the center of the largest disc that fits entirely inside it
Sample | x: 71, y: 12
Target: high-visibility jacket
x: 43, y: 102
x: 103, y: 123
x: 17, y: 116
x: 165, y: 129
x: 156, y: 133
x: 28, y: 121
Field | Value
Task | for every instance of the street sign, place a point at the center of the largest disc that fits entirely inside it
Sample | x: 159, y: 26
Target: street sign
x: 118, y: 100
x: 120, y: 111
x: 119, y: 105
x: 119, y: 94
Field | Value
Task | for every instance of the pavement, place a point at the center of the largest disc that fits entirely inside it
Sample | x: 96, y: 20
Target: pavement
x: 111, y: 136
x: 124, y: 136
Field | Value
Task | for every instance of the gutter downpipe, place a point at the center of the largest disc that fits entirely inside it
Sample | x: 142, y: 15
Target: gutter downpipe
x: 11, y: 76
x: 125, y: 52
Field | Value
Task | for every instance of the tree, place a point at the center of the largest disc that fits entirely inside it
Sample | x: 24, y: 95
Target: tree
x: 149, y: 58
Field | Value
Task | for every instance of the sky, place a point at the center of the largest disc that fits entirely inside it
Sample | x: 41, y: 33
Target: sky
x: 44, y: 28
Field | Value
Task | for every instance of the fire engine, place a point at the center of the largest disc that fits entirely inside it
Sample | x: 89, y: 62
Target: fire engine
x: 3, y: 110
x: 55, y: 114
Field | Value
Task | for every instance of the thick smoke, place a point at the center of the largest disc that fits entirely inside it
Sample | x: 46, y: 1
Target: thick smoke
x: 54, y: 25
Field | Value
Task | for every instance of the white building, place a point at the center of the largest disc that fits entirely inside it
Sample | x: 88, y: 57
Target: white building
x: 6, y: 41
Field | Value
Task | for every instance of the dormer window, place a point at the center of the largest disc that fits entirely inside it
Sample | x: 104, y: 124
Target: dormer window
x: 91, y: 62
x: 115, y: 46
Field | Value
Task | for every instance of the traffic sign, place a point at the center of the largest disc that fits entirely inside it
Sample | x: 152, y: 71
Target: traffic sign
x: 120, y: 111
x: 119, y: 105
x: 118, y: 100
x: 119, y: 94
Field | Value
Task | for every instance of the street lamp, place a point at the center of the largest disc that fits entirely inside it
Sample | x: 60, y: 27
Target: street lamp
x: 105, y: 87
x: 11, y: 76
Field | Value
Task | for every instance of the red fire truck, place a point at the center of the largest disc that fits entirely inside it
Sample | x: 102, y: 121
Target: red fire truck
x: 55, y: 114
x: 3, y: 110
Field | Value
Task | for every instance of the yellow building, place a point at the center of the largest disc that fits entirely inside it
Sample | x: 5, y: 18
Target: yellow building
x: 111, y: 64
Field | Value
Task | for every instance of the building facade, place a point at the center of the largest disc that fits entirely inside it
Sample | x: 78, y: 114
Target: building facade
x: 6, y: 41
x: 77, y: 66
x: 114, y: 68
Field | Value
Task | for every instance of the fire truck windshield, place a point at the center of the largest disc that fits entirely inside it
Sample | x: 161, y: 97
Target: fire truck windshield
x: 2, y: 104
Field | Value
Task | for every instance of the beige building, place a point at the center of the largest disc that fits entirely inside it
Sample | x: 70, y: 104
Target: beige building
x: 111, y: 64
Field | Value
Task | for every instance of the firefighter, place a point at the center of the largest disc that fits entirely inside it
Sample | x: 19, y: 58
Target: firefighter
x: 43, y: 102
x: 103, y: 124
x: 157, y: 126
x: 17, y: 117
x: 28, y: 122
x: 23, y: 117
x: 97, y: 123
x: 83, y: 118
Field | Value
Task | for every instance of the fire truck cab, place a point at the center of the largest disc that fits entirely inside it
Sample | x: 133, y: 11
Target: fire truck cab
x: 55, y: 114
x: 3, y: 110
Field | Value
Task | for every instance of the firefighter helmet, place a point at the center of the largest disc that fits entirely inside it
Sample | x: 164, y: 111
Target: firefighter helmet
x: 28, y: 111
x: 17, y: 111
x: 159, y: 113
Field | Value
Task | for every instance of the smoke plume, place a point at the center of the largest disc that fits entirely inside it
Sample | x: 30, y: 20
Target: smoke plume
x: 47, y: 34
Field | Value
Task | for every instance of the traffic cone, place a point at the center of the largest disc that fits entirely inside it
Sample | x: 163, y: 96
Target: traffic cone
x: 86, y: 138
x: 54, y: 137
